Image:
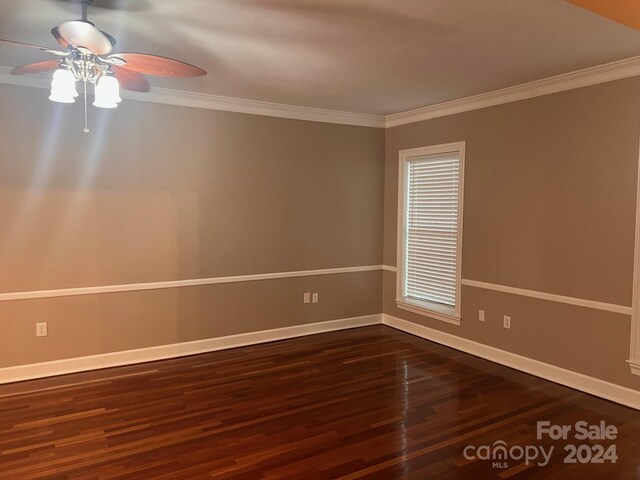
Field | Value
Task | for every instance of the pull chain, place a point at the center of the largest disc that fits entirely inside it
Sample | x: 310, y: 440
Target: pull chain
x: 86, y: 120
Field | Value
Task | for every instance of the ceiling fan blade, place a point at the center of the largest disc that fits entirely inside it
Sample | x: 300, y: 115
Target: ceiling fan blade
x: 46, y: 66
x: 626, y: 12
x: 22, y: 44
x: 130, y: 80
x: 159, y: 66
x: 82, y: 34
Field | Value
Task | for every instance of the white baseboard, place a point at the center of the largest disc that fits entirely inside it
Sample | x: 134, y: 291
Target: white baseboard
x: 128, y: 357
x: 594, y: 386
x: 615, y: 393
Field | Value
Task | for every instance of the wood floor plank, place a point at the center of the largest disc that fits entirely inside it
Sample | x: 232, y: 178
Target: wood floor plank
x: 370, y: 403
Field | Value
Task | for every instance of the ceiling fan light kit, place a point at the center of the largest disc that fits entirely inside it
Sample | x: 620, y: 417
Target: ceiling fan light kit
x: 86, y: 59
x: 107, y: 92
x: 63, y: 86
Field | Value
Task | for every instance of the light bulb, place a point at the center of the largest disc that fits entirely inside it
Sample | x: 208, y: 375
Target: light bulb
x: 63, y: 86
x: 107, y: 92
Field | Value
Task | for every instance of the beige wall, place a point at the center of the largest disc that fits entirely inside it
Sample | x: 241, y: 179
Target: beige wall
x: 549, y: 206
x: 93, y: 324
x: 158, y: 192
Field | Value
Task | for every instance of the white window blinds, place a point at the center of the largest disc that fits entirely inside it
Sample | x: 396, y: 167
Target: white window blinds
x: 432, y: 240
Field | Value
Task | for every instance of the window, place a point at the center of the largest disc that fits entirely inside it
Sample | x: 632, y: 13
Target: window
x: 430, y: 231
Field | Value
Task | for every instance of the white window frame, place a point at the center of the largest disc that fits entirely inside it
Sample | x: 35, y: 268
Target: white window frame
x: 429, y: 309
x: 634, y: 355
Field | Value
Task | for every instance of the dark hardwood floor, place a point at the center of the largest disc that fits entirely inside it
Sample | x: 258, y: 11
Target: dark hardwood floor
x: 369, y: 403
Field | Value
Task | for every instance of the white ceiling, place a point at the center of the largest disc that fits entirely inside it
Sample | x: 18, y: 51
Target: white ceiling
x: 367, y: 56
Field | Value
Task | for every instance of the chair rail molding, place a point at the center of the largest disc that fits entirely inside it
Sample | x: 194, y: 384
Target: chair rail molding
x: 552, y: 297
x: 133, y: 287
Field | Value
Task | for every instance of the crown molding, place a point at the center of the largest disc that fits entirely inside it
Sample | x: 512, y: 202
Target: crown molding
x: 35, y: 81
x: 607, y: 72
x: 255, y: 107
x: 216, y: 102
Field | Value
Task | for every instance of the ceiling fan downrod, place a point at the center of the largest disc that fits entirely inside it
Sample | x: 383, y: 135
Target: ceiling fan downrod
x: 85, y: 9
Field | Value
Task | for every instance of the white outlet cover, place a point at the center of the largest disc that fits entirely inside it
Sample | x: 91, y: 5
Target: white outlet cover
x: 315, y: 298
x: 481, y: 315
x: 41, y: 329
x: 507, y: 322
x: 307, y: 297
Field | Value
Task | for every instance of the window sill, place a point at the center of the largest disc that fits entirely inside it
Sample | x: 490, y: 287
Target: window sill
x: 435, y: 311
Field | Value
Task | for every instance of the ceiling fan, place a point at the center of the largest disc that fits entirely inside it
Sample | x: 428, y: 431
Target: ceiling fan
x: 86, y: 57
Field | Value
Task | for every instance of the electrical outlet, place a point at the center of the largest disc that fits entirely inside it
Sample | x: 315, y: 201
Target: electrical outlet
x: 307, y: 298
x: 507, y: 322
x: 481, y: 315
x: 41, y: 329
x: 314, y: 298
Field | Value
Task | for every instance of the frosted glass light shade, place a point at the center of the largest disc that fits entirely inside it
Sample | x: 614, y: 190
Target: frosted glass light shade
x: 107, y: 93
x: 63, y: 87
